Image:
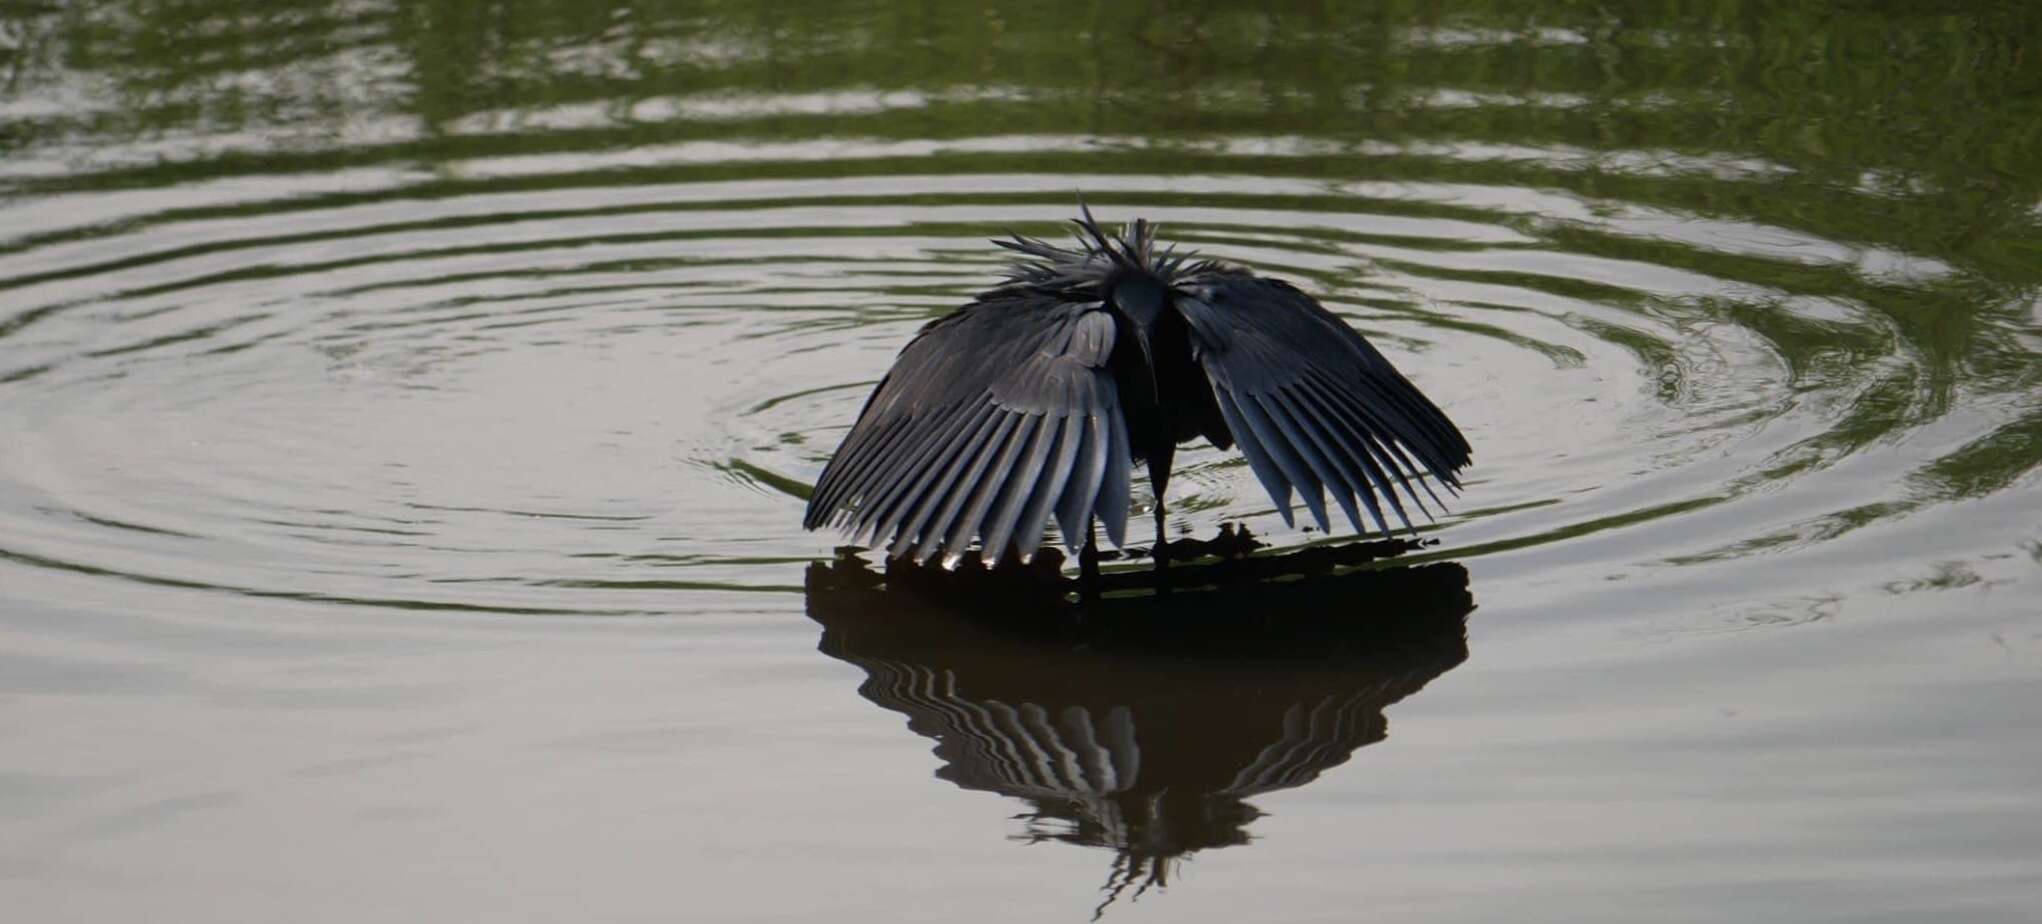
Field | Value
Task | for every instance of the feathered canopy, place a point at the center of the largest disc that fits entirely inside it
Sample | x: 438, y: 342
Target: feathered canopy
x: 1033, y: 402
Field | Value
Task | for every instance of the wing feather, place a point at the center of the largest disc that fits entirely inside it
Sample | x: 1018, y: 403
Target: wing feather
x: 1388, y: 414
x: 1278, y: 443
x: 940, y: 488
x: 990, y: 486
x: 867, y: 446
x: 1384, y: 458
x: 957, y: 503
x: 1367, y: 469
x: 912, y: 480
x: 864, y: 490
x: 1058, y: 471
x: 1329, y: 461
x: 992, y: 420
x: 1022, y: 482
x: 1313, y: 405
x: 1116, y: 486
x: 1074, y: 512
x: 1259, y: 460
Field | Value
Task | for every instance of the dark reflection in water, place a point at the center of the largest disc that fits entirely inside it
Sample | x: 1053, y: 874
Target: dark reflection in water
x: 1144, y: 726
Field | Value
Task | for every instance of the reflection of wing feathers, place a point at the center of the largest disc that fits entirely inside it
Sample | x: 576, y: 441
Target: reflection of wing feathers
x: 1314, y: 407
x: 992, y: 420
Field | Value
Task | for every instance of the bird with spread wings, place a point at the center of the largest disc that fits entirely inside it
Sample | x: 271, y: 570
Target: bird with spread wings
x: 1038, y: 398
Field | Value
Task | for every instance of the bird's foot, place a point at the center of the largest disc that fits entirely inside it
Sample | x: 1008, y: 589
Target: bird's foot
x: 1088, y: 573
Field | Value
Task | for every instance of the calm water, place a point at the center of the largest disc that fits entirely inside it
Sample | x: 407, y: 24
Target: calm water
x: 406, y: 409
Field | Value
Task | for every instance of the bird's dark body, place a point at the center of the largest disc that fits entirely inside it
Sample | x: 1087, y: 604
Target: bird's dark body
x: 1165, y: 395
x: 1038, y: 397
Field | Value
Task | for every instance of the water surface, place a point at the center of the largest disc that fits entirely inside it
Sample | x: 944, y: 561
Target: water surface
x: 406, y: 410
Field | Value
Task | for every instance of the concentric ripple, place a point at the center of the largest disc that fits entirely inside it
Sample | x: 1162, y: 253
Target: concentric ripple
x: 609, y: 396
x: 418, y: 307
x: 407, y: 408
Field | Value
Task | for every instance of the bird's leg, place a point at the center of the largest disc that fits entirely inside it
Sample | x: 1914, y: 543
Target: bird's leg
x: 1162, y: 553
x: 1162, y: 547
x: 1088, y: 565
x: 1159, y: 479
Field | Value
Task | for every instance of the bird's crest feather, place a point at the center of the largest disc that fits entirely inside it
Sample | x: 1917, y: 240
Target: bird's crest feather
x: 1097, y: 259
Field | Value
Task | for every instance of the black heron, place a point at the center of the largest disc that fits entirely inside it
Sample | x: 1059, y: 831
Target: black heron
x: 1041, y: 395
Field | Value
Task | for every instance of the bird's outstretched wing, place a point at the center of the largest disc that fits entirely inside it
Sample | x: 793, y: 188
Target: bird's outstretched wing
x: 992, y: 419
x: 1311, y: 403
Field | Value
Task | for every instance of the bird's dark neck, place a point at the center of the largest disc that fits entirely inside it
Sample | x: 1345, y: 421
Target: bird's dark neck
x: 1166, y: 395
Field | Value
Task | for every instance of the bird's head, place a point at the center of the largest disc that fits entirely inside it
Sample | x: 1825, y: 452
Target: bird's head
x: 1127, y: 271
x: 1142, y: 299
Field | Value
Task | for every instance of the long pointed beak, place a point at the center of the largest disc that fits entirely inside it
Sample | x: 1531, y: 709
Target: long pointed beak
x: 1141, y: 338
